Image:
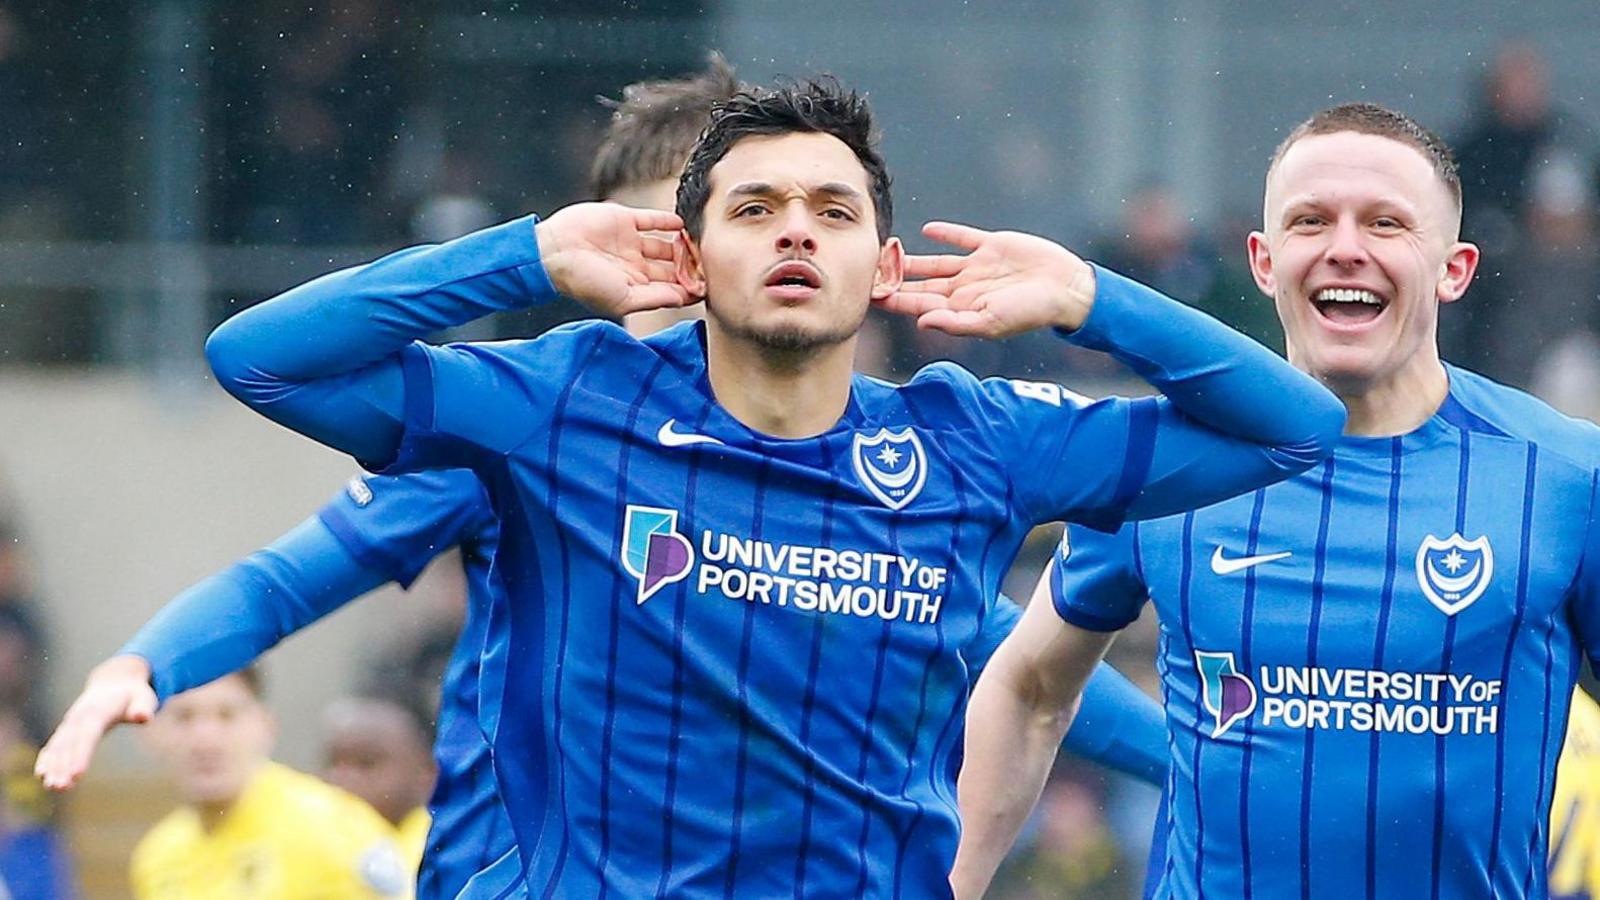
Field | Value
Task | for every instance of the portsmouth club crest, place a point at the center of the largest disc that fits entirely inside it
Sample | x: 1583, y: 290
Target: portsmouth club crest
x: 652, y: 549
x: 891, y: 464
x: 1455, y: 571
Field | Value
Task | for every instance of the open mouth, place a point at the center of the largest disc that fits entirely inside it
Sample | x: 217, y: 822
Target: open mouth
x: 795, y: 275
x: 1348, y: 306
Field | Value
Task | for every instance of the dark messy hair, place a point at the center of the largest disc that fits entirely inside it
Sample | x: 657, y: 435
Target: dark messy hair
x: 655, y: 125
x: 1370, y: 118
x: 821, y: 105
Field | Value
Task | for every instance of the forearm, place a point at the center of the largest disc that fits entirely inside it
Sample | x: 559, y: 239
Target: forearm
x: 224, y: 622
x: 1012, y: 736
x: 321, y: 358
x: 1120, y: 727
x: 1213, y: 374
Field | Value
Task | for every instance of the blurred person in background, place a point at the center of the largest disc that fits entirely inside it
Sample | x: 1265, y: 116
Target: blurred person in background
x: 379, y: 746
x: 1575, y: 806
x: 250, y: 827
x: 1068, y: 851
x: 1549, y: 291
x: 1517, y: 127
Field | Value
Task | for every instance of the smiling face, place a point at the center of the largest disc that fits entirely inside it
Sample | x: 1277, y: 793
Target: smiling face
x: 1359, y: 249
x: 789, y: 254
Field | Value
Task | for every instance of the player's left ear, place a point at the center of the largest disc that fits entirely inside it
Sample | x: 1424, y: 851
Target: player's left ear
x: 891, y: 269
x: 686, y: 261
x: 1457, y: 271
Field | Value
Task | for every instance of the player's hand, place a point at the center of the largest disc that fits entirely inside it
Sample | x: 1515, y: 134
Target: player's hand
x: 1007, y: 283
x: 118, y: 691
x: 614, y: 259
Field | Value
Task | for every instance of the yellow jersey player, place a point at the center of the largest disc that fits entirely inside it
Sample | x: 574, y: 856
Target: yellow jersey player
x: 1575, y: 809
x: 250, y: 828
x: 379, y: 746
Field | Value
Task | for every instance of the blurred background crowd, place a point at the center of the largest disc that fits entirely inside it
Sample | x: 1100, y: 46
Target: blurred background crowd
x: 164, y: 164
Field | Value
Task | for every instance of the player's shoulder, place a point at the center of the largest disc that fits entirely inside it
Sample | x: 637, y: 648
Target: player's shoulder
x: 952, y: 387
x: 174, y: 837
x: 1488, y: 406
x: 292, y: 795
x: 332, y: 831
x: 448, y: 487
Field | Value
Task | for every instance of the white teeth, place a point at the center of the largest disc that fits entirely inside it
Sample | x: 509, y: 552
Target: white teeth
x: 1347, y: 295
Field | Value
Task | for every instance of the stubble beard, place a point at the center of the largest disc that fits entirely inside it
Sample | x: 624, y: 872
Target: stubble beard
x: 789, y: 341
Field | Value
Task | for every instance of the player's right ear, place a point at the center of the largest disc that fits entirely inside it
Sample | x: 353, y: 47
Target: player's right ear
x: 686, y: 260
x: 1260, y: 255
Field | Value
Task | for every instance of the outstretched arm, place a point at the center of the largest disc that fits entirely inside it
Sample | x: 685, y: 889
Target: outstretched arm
x: 324, y: 358
x: 1117, y: 726
x: 1021, y: 709
x: 215, y: 627
x: 1235, y: 416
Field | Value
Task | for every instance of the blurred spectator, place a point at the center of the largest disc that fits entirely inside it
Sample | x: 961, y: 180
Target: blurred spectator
x: 1068, y: 851
x: 1159, y: 245
x: 317, y: 102
x: 1516, y: 129
x: 380, y: 747
x: 22, y: 642
x: 1549, y: 280
x: 34, y: 863
x: 250, y: 827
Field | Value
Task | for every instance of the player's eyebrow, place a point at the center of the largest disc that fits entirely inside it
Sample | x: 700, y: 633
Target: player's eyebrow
x: 837, y: 189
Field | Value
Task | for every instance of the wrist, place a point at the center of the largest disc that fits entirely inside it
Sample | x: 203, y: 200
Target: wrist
x: 1078, y: 298
x: 123, y: 666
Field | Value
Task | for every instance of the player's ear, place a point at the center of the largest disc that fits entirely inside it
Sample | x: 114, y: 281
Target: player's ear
x: 686, y: 260
x: 891, y: 269
x: 1457, y: 271
x: 1260, y: 255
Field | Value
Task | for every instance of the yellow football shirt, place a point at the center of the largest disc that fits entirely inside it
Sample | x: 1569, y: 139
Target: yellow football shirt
x: 288, y: 836
x: 1575, y: 807
x: 413, y: 836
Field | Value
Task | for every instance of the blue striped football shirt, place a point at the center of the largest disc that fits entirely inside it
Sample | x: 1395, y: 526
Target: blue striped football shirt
x: 1367, y: 668
x: 737, y: 665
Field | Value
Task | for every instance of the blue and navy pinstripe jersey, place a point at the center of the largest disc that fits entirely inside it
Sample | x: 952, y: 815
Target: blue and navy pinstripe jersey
x: 738, y: 662
x: 396, y: 525
x: 1366, y: 668
x: 737, y: 665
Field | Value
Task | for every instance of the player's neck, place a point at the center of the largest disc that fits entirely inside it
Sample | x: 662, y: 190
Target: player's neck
x: 782, y: 395
x: 212, y: 813
x: 1397, y: 404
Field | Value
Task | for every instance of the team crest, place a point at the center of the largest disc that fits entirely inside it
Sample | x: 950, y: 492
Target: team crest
x: 891, y: 464
x: 652, y: 549
x: 1455, y: 571
x: 1226, y: 694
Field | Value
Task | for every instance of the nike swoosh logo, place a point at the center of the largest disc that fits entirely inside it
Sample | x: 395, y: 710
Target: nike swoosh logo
x: 670, y: 438
x: 1224, y: 566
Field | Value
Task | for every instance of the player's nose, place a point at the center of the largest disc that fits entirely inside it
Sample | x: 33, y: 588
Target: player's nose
x: 1347, y: 246
x: 797, y: 230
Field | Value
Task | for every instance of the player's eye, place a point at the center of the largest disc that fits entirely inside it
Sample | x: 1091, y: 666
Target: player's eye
x: 750, y: 210
x: 1387, y: 223
x: 1307, y: 220
x: 838, y: 213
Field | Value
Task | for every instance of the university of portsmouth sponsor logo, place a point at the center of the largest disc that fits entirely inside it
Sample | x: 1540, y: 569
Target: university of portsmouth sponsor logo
x: 1226, y: 694
x: 822, y: 580
x: 1332, y: 699
x: 891, y: 464
x: 1455, y: 571
x: 652, y: 549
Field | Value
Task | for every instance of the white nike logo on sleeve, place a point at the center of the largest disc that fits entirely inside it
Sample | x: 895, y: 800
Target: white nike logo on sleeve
x: 1222, y: 565
x: 670, y: 438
